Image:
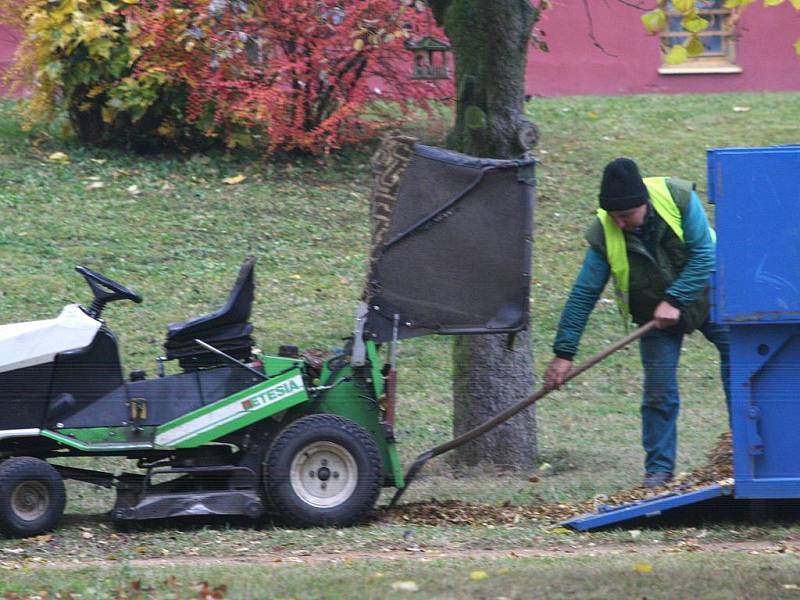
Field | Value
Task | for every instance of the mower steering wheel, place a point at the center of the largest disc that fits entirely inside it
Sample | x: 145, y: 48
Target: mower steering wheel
x: 105, y: 290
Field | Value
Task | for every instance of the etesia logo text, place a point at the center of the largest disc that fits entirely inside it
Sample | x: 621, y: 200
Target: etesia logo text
x: 272, y: 395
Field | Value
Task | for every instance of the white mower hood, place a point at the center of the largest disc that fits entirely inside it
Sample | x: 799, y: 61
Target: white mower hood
x: 37, y: 342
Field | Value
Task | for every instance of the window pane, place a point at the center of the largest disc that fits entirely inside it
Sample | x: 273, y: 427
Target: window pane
x: 717, y: 38
x: 712, y: 43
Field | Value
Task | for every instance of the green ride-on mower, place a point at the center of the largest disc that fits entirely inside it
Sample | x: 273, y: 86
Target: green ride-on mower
x: 307, y: 436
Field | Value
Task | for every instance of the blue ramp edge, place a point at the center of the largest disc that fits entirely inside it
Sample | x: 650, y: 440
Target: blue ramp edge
x: 651, y: 507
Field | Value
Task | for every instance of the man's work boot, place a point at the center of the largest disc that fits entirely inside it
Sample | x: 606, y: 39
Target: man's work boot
x: 657, y: 479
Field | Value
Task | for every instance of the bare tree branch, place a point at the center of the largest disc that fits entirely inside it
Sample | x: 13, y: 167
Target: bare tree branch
x: 640, y: 5
x: 592, y: 36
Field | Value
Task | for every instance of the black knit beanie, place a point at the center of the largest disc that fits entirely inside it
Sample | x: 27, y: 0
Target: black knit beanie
x: 622, y: 186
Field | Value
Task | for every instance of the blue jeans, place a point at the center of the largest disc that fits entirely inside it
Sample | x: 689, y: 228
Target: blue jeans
x: 660, y: 352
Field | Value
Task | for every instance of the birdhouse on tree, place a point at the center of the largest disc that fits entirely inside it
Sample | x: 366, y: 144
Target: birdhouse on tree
x: 430, y: 58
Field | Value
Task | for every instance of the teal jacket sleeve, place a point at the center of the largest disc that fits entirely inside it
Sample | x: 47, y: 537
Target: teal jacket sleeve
x: 587, y: 288
x: 700, y: 247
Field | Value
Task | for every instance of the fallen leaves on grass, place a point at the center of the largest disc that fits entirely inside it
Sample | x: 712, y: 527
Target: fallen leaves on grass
x: 718, y: 470
x: 206, y: 592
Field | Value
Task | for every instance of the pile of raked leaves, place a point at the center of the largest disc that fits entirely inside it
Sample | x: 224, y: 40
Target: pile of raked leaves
x: 718, y: 470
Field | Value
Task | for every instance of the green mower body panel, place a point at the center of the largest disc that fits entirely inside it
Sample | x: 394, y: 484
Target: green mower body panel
x: 353, y: 393
x: 358, y: 399
x: 244, y: 408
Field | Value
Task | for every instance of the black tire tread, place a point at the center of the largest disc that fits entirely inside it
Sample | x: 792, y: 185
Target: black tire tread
x: 30, y: 468
x: 309, y: 423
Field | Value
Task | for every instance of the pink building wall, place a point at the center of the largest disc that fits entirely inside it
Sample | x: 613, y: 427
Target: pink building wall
x: 574, y: 66
x: 8, y: 43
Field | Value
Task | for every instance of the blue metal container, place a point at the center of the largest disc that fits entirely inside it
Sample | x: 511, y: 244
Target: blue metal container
x: 757, y: 196
x: 756, y: 291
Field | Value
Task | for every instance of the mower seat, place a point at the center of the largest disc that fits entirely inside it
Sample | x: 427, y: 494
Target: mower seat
x: 226, y: 329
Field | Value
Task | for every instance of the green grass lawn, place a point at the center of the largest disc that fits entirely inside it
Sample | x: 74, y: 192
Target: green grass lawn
x: 652, y: 575
x: 170, y: 228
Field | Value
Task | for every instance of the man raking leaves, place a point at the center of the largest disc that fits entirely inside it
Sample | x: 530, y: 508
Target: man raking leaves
x: 652, y: 237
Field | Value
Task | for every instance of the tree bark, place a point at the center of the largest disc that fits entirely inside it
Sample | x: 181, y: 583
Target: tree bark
x: 490, y: 40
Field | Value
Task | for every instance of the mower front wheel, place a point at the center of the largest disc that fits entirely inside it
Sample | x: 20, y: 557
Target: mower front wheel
x: 32, y: 496
x: 322, y: 470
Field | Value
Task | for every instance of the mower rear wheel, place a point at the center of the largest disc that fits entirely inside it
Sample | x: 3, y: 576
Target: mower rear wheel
x: 32, y: 496
x: 322, y: 470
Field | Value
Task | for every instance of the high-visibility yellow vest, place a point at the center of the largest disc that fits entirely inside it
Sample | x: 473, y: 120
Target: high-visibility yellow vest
x: 616, y: 251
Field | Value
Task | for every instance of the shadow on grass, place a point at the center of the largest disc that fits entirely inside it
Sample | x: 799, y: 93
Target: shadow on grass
x: 187, y: 523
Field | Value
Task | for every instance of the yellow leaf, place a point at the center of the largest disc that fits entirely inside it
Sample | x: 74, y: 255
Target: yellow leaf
x: 133, y: 53
x: 166, y: 129
x: 772, y: 2
x: 694, y: 24
x: 95, y: 91
x: 676, y: 55
x: 560, y: 530
x: 796, y: 4
x: 695, y: 46
x: 107, y: 6
x: 358, y: 44
x: 405, y: 586
x: 93, y: 30
x: 131, y: 1
x: 684, y: 6
x: 478, y: 575
x: 58, y: 157
x: 797, y: 46
x: 235, y: 179
x: 655, y: 20
x: 643, y: 567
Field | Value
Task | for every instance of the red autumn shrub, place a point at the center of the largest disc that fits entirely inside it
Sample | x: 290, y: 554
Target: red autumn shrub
x: 307, y: 74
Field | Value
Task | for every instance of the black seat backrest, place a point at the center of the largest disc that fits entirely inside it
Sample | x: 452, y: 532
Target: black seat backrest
x: 236, y: 311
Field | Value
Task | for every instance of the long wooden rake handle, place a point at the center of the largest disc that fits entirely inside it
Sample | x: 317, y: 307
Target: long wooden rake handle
x: 513, y: 410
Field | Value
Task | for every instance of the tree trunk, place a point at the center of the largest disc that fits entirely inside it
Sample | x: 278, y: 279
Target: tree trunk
x: 490, y: 40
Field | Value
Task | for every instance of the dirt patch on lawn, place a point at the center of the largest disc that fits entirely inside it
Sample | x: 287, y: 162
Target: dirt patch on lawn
x: 549, y: 550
